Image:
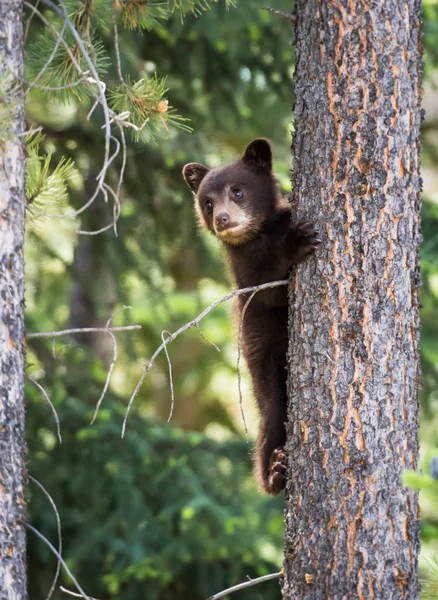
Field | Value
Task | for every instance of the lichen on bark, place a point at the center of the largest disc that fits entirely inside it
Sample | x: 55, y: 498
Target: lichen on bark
x: 12, y: 210
x: 352, y: 527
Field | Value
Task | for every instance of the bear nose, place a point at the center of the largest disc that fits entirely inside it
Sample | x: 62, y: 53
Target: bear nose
x: 222, y: 221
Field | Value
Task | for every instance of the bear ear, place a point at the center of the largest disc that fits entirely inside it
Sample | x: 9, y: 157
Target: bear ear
x: 258, y: 155
x: 194, y: 173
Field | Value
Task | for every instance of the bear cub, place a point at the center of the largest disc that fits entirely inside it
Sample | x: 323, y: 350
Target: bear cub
x: 241, y: 205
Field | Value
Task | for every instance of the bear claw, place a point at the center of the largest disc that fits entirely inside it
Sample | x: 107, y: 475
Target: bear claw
x: 277, y: 471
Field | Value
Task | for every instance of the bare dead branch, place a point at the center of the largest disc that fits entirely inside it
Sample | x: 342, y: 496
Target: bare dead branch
x: 110, y: 117
x: 58, y: 524
x: 61, y: 560
x: 206, y: 338
x: 124, y: 157
x: 110, y: 370
x: 122, y: 120
x: 100, y: 97
x: 194, y: 323
x: 172, y: 391
x: 116, y: 214
x: 53, y: 334
x: 28, y: 20
x: 29, y: 132
x: 282, y: 13
x: 58, y: 88
x: 62, y: 12
x: 116, y: 44
x: 108, y: 377
x: 50, y: 403
x: 109, y: 331
x: 246, y: 584
x: 116, y: 312
x: 70, y: 593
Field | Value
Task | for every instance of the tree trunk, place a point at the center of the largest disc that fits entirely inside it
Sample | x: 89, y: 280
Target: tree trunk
x: 352, y: 527
x: 12, y: 209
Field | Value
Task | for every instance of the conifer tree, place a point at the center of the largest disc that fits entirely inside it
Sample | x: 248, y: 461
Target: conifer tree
x: 12, y: 208
x: 352, y: 525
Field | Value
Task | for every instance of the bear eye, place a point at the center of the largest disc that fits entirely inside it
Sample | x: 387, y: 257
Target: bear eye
x: 237, y: 193
x: 208, y: 206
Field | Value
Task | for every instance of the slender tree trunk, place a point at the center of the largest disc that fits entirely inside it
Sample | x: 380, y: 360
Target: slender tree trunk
x: 352, y: 528
x: 12, y: 208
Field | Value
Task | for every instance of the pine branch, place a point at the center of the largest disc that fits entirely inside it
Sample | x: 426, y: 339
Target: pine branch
x: 59, y: 72
x: 45, y: 186
x: 142, y: 14
x: 195, y: 7
x: 146, y: 107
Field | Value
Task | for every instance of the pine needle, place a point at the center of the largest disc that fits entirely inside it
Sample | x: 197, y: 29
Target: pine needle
x: 45, y: 186
x: 61, y: 71
x: 147, y: 106
x: 142, y: 14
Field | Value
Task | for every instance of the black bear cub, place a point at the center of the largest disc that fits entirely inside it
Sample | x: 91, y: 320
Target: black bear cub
x: 241, y: 205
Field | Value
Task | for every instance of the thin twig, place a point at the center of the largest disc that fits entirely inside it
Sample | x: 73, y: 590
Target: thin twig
x: 110, y: 117
x: 108, y: 377
x: 124, y: 158
x: 58, y: 525
x: 70, y: 593
x: 116, y: 214
x: 282, y: 13
x: 239, y: 352
x: 66, y: 86
x: 116, y: 44
x: 110, y: 370
x: 40, y: 334
x: 50, y: 403
x: 206, y: 338
x: 116, y: 312
x: 172, y: 391
x: 194, y: 323
x: 109, y: 331
x: 62, y: 12
x: 29, y: 20
x: 61, y: 560
x: 30, y: 132
x: 246, y: 584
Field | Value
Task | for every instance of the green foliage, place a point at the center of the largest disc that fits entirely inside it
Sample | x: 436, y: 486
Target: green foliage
x: 45, y: 185
x: 429, y: 587
x: 143, y: 14
x: 61, y: 71
x: 146, y: 14
x: 196, y: 7
x: 145, y: 103
x: 428, y: 487
x: 155, y: 515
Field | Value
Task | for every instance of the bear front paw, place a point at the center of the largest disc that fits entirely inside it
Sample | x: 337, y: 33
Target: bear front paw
x: 306, y: 238
x: 277, y: 471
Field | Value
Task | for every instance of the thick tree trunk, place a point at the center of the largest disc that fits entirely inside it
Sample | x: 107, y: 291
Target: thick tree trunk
x: 12, y: 208
x: 352, y: 528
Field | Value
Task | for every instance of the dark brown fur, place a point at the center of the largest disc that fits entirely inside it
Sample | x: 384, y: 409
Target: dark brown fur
x: 241, y: 205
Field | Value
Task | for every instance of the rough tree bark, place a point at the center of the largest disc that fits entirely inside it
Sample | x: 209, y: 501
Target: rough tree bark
x: 352, y: 528
x: 12, y: 208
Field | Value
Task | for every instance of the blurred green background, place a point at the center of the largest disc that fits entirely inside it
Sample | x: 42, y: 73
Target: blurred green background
x: 171, y: 511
